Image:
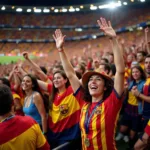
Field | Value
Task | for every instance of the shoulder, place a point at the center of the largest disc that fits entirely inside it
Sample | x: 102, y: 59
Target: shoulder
x: 36, y: 95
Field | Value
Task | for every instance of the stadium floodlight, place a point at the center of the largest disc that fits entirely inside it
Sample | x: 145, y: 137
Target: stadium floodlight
x: 64, y: 10
x: 3, y: 8
x: 29, y: 10
x: 94, y: 36
x: 125, y: 3
x: 37, y: 10
x: 77, y: 9
x: 142, y: 0
x: 72, y: 9
x: 110, y: 5
x: 114, y: 5
x: 19, y: 9
x: 45, y: 10
x: 139, y: 28
x: 56, y: 10
x: 13, y: 7
x: 81, y: 7
x: 78, y: 29
x: 93, y: 7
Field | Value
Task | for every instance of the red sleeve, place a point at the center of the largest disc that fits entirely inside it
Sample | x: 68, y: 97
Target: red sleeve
x: 147, y: 128
x: 49, y: 88
x: 89, y: 65
x: 46, y: 146
x: 79, y: 96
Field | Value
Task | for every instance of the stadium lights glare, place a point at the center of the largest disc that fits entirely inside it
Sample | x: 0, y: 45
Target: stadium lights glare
x: 110, y: 5
x: 142, y: 0
x: 37, y: 10
x: 77, y: 9
x: 52, y: 8
x: 13, y: 7
x: 3, y: 8
x: 125, y: 3
x: 72, y: 9
x: 94, y: 36
x: 93, y: 7
x: 81, y: 7
x: 78, y: 29
x: 140, y: 28
x: 64, y: 10
x: 56, y: 10
x: 46, y: 10
x: 29, y: 10
x: 19, y: 9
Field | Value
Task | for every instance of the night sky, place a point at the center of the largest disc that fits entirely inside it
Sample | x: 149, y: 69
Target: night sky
x: 48, y: 2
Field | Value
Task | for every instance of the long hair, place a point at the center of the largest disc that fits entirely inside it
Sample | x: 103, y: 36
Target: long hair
x: 109, y: 87
x: 143, y: 75
x: 55, y: 90
x: 35, y: 87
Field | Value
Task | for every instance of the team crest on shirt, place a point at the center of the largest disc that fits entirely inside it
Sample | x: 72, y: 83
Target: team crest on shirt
x: 64, y: 109
x: 98, y: 111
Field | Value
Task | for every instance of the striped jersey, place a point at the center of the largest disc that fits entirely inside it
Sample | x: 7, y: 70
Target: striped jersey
x: 147, y: 128
x: 146, y: 91
x: 63, y: 120
x: 102, y: 124
x: 22, y: 133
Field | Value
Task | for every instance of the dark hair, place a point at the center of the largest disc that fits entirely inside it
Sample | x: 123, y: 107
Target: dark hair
x: 147, y: 56
x: 82, y: 67
x: 36, y: 88
x: 55, y: 90
x: 106, y: 67
x: 43, y: 69
x: 5, y: 81
x: 59, y: 66
x: 109, y: 87
x: 105, y: 59
x: 142, y: 52
x: 113, y: 69
x: 143, y: 75
x: 6, y: 99
x: 78, y: 74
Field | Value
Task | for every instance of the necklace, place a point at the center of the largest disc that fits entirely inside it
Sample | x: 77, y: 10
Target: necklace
x: 8, y: 118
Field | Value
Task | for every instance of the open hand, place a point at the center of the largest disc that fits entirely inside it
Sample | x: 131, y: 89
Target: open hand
x: 59, y: 38
x: 106, y: 27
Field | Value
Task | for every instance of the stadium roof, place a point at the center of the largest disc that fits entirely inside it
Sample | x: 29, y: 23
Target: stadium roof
x: 48, y: 2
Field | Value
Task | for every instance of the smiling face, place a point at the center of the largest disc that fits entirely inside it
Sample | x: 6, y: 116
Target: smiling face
x: 96, y: 85
x: 147, y: 65
x: 59, y: 81
x: 136, y: 74
x: 26, y: 83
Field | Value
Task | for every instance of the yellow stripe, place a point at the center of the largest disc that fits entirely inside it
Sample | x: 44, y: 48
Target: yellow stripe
x: 149, y: 122
x: 70, y: 103
x: 94, y: 136
x: 115, y: 128
x: 21, y: 142
x: 82, y: 119
x: 103, y: 137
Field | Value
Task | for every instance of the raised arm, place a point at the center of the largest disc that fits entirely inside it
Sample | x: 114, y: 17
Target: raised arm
x: 118, y: 55
x: 146, y: 40
x: 59, y: 39
x: 38, y: 70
